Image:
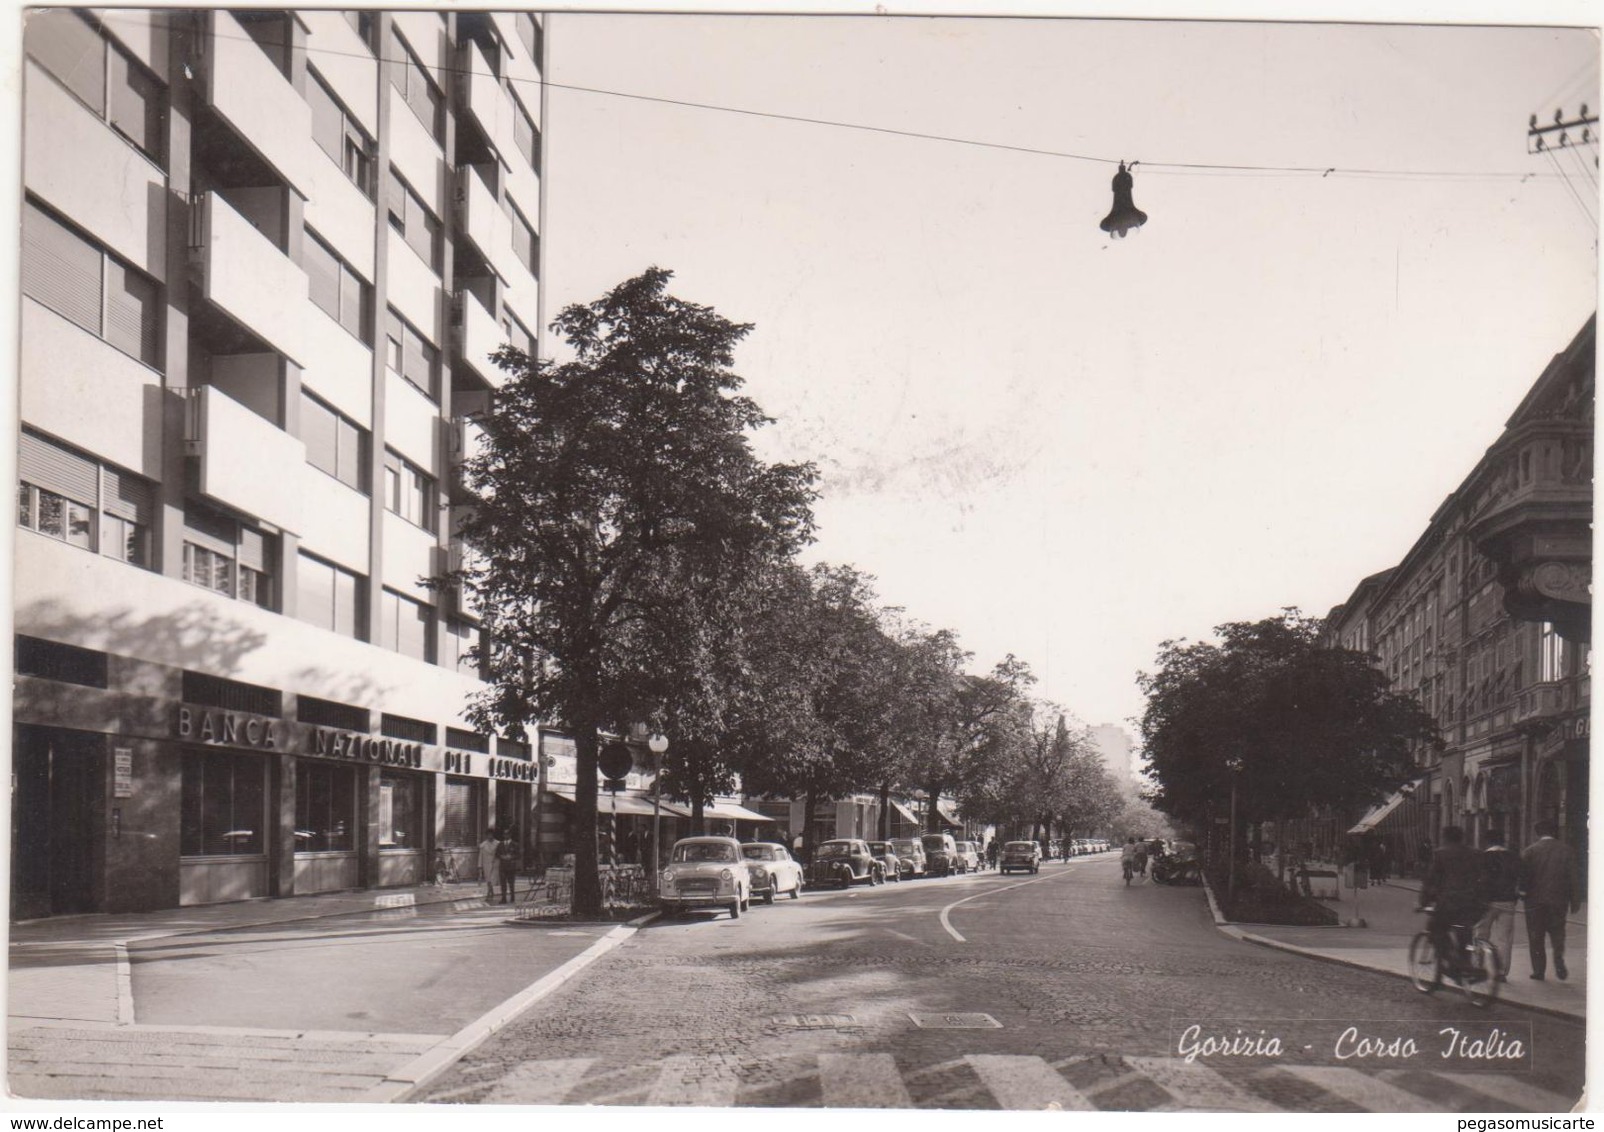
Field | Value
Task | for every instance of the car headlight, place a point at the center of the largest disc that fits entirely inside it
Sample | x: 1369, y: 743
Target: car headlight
x: 668, y: 875
x: 726, y: 874
x: 760, y: 875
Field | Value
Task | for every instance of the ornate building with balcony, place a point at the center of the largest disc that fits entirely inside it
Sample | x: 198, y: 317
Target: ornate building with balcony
x: 265, y: 258
x: 1487, y: 620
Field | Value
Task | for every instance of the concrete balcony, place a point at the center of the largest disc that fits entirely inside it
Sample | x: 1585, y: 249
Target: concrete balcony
x: 480, y: 217
x: 409, y: 557
x: 237, y: 452
x: 486, y: 101
x: 244, y: 274
x: 414, y: 288
x: 467, y: 441
x: 1541, y: 702
x: 249, y: 93
x: 477, y: 337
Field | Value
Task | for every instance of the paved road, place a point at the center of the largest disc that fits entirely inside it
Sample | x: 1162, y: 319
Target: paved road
x: 1083, y: 986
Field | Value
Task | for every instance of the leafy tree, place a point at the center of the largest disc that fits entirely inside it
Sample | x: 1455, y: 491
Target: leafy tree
x: 600, y: 476
x: 1287, y: 722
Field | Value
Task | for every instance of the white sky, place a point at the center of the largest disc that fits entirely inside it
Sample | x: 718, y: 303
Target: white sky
x: 1055, y: 444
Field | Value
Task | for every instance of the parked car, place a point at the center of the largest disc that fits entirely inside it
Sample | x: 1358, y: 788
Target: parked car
x: 890, y: 862
x: 843, y: 862
x: 910, y: 856
x: 706, y: 872
x: 968, y: 857
x: 941, y: 854
x: 1021, y: 855
x: 771, y: 871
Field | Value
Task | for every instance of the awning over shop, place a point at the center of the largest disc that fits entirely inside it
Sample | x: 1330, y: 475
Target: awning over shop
x: 729, y: 811
x: 904, y: 813
x: 1377, y: 814
x: 946, y: 813
x: 631, y: 802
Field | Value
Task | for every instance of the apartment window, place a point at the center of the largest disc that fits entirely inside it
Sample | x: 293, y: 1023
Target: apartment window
x: 99, y: 74
x: 231, y: 695
x: 460, y: 637
x: 524, y: 242
x: 222, y: 804
x: 70, y: 497
x: 334, y: 444
x: 525, y: 136
x: 464, y: 740
x: 74, y: 277
x: 404, y: 626
x: 362, y: 22
x: 328, y: 597
x: 337, y: 290
x: 517, y: 336
x: 409, y: 354
x: 338, y: 135
x: 409, y: 492
x: 418, y: 227
x: 227, y: 556
x: 412, y: 730
x: 1550, y: 654
x: 408, y: 76
x: 325, y: 807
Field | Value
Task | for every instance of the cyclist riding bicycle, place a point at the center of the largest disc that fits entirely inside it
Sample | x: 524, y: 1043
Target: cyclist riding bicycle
x: 1453, y: 889
x: 1127, y: 859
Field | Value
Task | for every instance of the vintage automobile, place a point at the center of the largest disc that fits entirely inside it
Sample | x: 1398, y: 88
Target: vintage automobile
x: 887, y: 856
x: 844, y: 861
x: 910, y: 856
x: 941, y: 854
x: 706, y: 872
x: 1020, y: 855
x: 968, y: 857
x: 771, y: 871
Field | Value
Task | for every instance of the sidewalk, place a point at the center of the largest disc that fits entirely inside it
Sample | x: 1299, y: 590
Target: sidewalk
x: 1388, y: 909
x: 73, y: 1029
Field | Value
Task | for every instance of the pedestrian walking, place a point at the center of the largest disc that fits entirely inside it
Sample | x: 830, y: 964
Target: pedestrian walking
x: 507, y: 867
x: 1548, y: 880
x: 1501, y: 878
x: 1141, y: 858
x: 487, y: 862
x: 1453, y: 889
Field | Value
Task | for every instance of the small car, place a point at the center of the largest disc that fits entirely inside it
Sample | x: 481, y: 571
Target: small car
x: 843, y: 862
x: 887, y: 856
x: 1020, y: 855
x: 706, y: 872
x: 941, y: 854
x: 771, y: 870
x: 910, y: 856
x: 968, y: 857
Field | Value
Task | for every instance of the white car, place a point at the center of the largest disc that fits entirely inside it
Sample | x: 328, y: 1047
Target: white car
x: 771, y: 870
x: 706, y: 872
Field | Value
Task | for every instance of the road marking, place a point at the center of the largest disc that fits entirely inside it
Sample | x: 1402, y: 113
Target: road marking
x: 952, y: 931
x: 1020, y: 1082
x: 861, y: 1080
x: 689, y: 1079
x: 539, y: 1082
x: 1369, y: 1092
x: 1197, y: 1087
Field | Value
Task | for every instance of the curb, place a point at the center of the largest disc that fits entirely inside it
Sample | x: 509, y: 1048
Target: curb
x: 399, y: 1085
x: 1236, y: 932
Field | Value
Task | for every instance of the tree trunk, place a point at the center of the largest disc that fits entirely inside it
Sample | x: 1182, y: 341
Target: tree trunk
x: 885, y: 811
x: 932, y: 817
x: 809, y: 801
x: 587, y: 877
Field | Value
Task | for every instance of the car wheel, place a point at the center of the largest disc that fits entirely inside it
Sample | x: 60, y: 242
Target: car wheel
x: 796, y: 892
x: 768, y: 897
x: 735, y: 910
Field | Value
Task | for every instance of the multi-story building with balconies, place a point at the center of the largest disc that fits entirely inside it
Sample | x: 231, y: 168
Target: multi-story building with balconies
x: 1487, y: 621
x: 266, y: 256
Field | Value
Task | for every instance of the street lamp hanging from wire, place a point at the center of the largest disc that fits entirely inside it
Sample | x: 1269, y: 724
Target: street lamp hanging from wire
x: 1124, y: 216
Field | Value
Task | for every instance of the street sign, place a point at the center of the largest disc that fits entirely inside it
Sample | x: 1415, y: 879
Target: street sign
x: 615, y: 760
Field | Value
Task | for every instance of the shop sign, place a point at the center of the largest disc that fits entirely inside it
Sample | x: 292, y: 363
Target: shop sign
x: 227, y: 728
x: 122, y: 772
x: 328, y: 743
x: 518, y: 770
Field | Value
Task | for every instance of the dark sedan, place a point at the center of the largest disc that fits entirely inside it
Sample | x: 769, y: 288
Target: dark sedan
x: 843, y: 862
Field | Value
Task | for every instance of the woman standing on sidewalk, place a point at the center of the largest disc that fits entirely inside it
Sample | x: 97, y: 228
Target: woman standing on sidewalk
x: 487, y: 863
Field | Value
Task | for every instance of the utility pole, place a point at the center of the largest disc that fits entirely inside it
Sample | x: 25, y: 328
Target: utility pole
x: 1558, y: 134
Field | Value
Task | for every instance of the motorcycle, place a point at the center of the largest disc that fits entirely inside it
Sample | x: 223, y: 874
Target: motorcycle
x: 1173, y: 869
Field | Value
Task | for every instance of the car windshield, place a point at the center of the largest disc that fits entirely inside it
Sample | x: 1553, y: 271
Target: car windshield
x: 758, y: 852
x: 836, y: 849
x: 934, y: 841
x: 879, y: 848
x: 1020, y: 846
x: 704, y: 851
x: 903, y: 845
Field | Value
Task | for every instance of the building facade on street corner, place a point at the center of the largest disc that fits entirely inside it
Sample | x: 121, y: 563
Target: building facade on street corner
x: 266, y: 256
x: 1487, y: 620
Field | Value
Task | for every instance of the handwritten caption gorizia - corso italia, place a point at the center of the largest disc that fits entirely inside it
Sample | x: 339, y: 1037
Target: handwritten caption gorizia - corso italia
x: 1462, y: 1045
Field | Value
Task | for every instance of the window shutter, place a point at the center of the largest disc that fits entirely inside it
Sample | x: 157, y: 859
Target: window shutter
x: 130, y: 312
x: 53, y: 468
x: 328, y: 121
x: 461, y: 827
x: 134, y: 104
x: 127, y: 496
x: 60, y: 269
x: 253, y: 550
x: 323, y: 276
x: 71, y: 50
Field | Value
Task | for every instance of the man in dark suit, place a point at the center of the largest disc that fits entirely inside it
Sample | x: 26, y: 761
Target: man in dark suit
x: 1549, y: 881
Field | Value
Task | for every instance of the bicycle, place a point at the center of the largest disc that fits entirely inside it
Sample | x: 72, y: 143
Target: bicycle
x: 445, y: 869
x: 1128, y: 868
x: 1473, y: 966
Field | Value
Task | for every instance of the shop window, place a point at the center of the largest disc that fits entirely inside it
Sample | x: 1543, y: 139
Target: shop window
x: 338, y: 291
x: 73, y: 276
x: 461, y: 806
x: 53, y: 660
x: 404, y: 626
x: 328, y: 713
x: 412, y: 730
x: 400, y: 811
x: 338, y: 135
x: 231, y: 695
x: 223, y: 804
x: 408, y: 492
x: 334, y: 443
x: 70, y: 497
x: 325, y: 808
x: 464, y: 740
x: 328, y: 597
x: 99, y: 74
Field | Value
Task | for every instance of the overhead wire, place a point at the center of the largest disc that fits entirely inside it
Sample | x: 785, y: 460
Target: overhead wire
x: 1171, y: 167
x: 1571, y: 189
